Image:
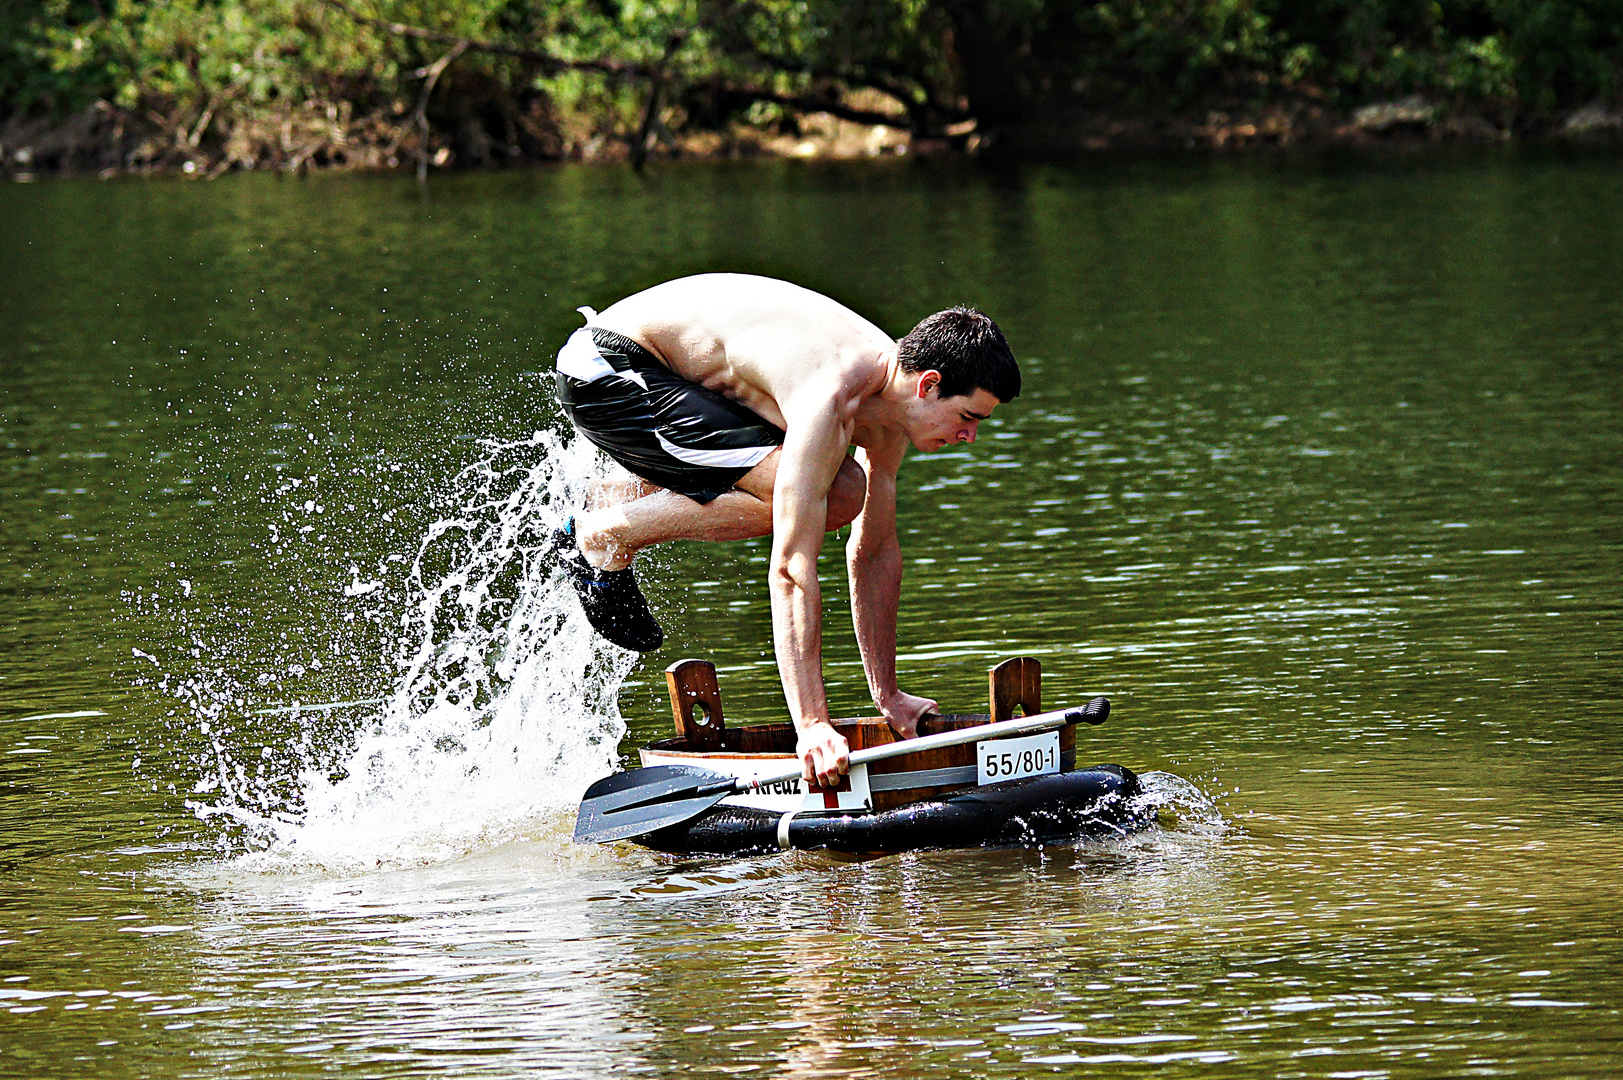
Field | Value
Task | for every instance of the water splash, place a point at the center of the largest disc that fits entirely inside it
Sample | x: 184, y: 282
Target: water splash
x: 504, y: 707
x: 1180, y: 804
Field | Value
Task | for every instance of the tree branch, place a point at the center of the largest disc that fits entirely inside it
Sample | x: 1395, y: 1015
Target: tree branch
x: 807, y: 103
x: 639, y: 149
x: 627, y: 69
x: 552, y: 64
x: 431, y: 75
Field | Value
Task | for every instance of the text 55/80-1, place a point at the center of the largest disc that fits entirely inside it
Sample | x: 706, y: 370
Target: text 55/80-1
x: 1011, y: 759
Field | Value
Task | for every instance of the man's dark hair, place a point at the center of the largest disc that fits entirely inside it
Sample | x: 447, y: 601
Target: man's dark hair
x: 969, y: 351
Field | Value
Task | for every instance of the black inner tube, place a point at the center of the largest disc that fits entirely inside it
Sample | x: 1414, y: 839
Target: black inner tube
x: 1035, y: 810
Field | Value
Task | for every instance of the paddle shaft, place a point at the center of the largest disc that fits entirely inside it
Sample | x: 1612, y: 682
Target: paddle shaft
x: 1021, y: 725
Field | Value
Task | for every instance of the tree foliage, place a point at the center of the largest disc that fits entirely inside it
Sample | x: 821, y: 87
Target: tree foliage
x: 529, y: 77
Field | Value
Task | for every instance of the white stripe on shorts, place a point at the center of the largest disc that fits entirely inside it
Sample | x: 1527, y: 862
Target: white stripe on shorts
x: 580, y: 359
x: 743, y: 457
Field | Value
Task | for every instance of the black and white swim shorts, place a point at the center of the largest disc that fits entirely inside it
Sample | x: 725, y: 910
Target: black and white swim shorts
x: 669, y: 431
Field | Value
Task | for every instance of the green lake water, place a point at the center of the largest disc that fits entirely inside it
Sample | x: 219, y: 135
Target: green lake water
x: 1317, y: 473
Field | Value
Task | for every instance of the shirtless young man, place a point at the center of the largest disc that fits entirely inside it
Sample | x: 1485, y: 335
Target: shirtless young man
x: 733, y: 401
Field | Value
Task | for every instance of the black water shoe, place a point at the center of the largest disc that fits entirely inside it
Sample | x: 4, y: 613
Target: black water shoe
x: 613, y: 604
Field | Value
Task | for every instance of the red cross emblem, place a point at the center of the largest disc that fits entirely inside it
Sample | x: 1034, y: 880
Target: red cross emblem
x: 831, y: 797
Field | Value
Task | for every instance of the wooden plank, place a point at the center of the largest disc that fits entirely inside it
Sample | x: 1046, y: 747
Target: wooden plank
x: 1016, y: 682
x: 876, y: 731
x: 761, y: 739
x: 696, y: 704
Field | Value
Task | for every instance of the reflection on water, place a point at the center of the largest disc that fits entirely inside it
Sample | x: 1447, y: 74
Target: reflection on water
x: 1315, y: 474
x: 1195, y: 943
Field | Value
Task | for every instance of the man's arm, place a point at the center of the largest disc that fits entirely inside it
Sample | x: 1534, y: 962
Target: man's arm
x: 813, y: 450
x: 874, y: 559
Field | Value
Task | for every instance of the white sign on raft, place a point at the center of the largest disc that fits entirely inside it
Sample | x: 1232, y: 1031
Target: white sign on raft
x: 784, y: 796
x: 1010, y: 759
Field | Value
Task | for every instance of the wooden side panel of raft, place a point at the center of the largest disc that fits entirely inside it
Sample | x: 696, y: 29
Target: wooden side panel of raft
x: 1015, y: 688
x: 696, y: 703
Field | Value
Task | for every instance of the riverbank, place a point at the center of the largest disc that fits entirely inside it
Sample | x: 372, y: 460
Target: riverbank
x: 106, y: 141
x: 291, y: 85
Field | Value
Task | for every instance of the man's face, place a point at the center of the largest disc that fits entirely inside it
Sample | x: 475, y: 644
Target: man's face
x: 939, y: 421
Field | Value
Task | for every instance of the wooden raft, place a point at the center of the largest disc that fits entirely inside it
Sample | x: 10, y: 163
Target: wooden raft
x: 1015, y: 689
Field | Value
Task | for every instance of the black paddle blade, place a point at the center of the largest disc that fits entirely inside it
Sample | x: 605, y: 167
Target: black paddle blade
x: 642, y: 801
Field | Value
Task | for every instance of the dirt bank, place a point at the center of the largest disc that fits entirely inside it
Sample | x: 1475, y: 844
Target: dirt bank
x: 106, y: 141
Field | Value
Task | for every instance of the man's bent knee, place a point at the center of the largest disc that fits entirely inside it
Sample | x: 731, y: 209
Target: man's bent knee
x: 846, y: 495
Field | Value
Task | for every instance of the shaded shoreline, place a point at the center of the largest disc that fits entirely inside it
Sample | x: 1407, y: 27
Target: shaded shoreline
x: 106, y: 141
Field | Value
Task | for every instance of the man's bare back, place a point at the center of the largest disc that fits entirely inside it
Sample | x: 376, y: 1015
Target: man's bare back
x: 657, y: 379
x: 756, y: 340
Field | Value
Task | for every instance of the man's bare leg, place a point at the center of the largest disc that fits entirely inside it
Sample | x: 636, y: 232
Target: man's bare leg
x: 621, y: 490
x: 611, y: 536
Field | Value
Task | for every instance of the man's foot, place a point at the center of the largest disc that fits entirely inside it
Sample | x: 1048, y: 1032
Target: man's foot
x: 613, y: 604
